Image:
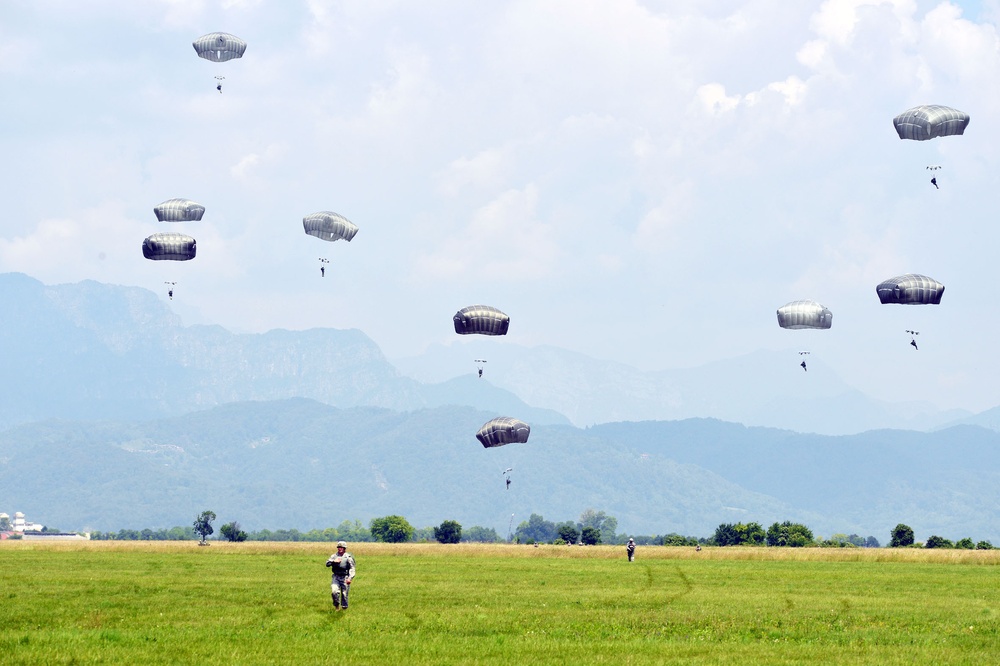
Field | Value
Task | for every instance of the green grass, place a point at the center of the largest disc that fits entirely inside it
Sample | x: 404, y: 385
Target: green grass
x: 175, y: 603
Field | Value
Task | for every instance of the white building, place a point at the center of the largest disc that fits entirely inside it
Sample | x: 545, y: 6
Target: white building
x: 21, y: 526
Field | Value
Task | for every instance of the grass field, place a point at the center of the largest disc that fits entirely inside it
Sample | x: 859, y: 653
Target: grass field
x: 253, y: 603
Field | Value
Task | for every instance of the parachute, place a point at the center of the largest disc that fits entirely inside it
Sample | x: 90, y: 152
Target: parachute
x: 179, y: 210
x: 503, y: 430
x: 910, y: 289
x: 329, y: 226
x: 169, y: 247
x: 482, y: 319
x: 929, y: 121
x: 219, y: 46
x: 804, y: 314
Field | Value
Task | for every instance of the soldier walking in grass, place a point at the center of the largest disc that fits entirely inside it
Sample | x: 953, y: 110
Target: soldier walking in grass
x: 342, y: 564
x: 630, y: 549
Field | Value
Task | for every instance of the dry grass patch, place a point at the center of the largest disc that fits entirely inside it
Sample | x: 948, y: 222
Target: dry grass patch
x: 505, y: 550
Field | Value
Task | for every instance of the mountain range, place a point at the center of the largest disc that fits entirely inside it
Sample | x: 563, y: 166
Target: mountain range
x: 115, y: 414
x: 300, y: 463
x: 92, y: 350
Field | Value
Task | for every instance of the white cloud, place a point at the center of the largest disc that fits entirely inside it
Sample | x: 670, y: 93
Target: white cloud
x: 485, y: 169
x: 502, y: 145
x: 64, y: 249
x: 249, y: 164
x: 406, y: 89
x: 662, y: 226
x: 714, y: 100
x: 793, y: 89
x: 240, y: 169
x: 958, y: 47
x: 837, y: 20
x: 182, y: 13
x: 505, y: 241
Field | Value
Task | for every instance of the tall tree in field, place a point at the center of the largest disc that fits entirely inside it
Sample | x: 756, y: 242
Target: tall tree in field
x: 591, y: 536
x: 902, y: 535
x: 795, y: 535
x: 203, y: 524
x: 391, y: 529
x: 936, y: 541
x: 480, y: 534
x: 448, y: 532
x: 726, y: 535
x: 750, y: 534
x: 600, y: 521
x: 353, y: 531
x: 567, y: 532
x: 536, y: 529
x: 232, y: 532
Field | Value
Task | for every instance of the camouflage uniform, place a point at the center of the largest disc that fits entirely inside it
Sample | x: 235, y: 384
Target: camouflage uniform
x: 342, y: 565
x: 630, y: 549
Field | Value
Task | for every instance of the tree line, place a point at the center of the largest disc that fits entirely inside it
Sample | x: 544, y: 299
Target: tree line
x: 592, y: 528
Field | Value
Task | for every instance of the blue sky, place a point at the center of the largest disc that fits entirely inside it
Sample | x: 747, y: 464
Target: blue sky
x: 644, y: 182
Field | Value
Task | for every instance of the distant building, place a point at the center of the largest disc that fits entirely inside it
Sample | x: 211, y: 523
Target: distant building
x: 55, y: 536
x: 20, y: 525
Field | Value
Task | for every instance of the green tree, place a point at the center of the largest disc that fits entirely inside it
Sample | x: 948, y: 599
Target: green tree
x: 232, y: 532
x: 391, y: 529
x: 674, y: 539
x: 902, y: 535
x: 203, y: 524
x: 479, y: 534
x: 793, y: 535
x: 567, y: 531
x: 4, y: 523
x: 448, y: 532
x: 938, y: 542
x: 536, y: 529
x: 353, y: 531
x: 590, y: 536
x: 852, y: 539
x: 726, y: 535
x: 600, y: 521
x: 422, y: 534
x: 965, y: 544
x: 984, y: 545
x: 872, y: 542
x: 750, y: 534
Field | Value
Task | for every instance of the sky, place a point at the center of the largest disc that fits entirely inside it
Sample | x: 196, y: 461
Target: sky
x: 644, y: 182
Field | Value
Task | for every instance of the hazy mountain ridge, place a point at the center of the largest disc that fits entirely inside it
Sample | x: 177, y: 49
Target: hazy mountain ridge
x: 764, y: 388
x: 91, y: 350
x: 300, y: 463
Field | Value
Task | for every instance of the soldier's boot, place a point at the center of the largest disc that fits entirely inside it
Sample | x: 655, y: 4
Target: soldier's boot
x: 336, y: 602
